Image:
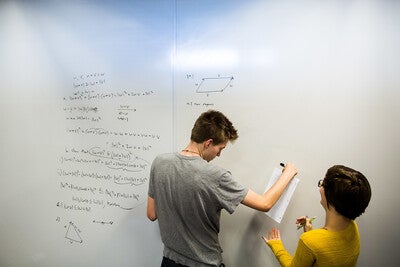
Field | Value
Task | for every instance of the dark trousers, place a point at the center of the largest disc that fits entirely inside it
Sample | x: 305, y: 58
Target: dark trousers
x: 170, y: 263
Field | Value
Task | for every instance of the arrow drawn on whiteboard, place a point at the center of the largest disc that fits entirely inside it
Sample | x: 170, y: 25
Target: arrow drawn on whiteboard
x: 103, y: 222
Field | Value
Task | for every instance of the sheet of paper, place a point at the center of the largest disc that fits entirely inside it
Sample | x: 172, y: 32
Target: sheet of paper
x: 278, y: 210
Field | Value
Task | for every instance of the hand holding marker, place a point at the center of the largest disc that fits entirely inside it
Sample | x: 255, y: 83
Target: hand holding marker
x: 301, y: 222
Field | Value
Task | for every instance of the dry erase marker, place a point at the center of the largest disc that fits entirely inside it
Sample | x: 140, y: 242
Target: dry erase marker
x: 304, y: 223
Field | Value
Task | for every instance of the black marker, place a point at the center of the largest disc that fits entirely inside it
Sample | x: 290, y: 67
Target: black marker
x: 282, y: 164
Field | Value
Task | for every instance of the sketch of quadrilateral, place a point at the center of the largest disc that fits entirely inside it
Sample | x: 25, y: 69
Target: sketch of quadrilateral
x: 214, y: 84
x: 72, y: 233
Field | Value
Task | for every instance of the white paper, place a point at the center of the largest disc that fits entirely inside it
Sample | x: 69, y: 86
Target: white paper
x: 278, y: 210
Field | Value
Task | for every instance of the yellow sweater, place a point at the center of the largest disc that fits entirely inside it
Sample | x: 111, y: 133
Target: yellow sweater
x: 322, y: 248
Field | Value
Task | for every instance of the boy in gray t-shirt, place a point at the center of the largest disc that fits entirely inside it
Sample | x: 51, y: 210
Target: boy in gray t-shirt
x: 190, y: 194
x: 187, y: 194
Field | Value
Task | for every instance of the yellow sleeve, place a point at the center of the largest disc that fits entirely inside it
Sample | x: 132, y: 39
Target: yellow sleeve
x: 280, y: 252
x: 302, y: 257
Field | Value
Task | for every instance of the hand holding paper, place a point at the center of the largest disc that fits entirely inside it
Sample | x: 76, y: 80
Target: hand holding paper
x: 278, y: 210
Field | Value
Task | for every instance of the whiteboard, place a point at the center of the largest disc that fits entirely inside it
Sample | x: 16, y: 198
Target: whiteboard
x: 87, y: 103
x: 314, y: 83
x: 92, y: 91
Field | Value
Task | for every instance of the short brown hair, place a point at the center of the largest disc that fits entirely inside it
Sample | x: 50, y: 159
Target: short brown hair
x: 213, y: 125
x: 347, y: 190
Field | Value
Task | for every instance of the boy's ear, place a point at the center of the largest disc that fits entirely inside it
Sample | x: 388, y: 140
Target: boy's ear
x: 207, y: 143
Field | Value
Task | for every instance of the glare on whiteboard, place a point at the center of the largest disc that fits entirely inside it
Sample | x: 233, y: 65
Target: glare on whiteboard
x: 207, y: 58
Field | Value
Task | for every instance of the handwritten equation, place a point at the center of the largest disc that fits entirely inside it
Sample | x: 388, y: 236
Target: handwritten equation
x: 104, y: 166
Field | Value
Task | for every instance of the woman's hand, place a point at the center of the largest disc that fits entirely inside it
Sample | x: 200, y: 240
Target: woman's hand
x: 304, y: 222
x: 274, y: 234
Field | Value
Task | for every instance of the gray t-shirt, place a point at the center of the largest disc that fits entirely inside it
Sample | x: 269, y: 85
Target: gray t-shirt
x: 189, y: 194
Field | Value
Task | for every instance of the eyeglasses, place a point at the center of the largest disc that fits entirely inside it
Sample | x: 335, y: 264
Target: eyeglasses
x: 321, y: 183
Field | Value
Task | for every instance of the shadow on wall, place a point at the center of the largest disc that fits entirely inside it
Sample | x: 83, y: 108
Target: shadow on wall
x: 253, y: 250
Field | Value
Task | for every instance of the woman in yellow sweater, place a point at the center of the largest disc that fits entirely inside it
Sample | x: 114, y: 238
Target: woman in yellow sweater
x: 345, y: 194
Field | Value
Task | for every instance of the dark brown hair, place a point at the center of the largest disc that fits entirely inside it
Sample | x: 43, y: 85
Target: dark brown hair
x: 347, y: 190
x: 213, y: 125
